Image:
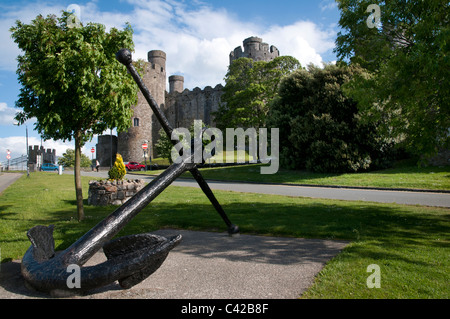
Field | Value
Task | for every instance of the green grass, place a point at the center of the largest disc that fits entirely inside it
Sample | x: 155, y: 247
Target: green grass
x: 409, y: 243
x: 223, y: 155
x: 403, y: 175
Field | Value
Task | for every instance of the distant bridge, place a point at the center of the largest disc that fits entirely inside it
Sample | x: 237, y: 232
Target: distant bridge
x: 15, y: 164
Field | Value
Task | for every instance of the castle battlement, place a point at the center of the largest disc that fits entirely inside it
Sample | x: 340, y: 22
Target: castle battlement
x: 256, y: 49
x: 196, y: 90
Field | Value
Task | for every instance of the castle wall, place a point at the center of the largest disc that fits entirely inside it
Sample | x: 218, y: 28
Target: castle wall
x: 185, y: 107
x: 38, y: 155
x: 106, y: 150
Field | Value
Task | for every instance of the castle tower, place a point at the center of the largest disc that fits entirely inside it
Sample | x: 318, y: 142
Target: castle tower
x: 144, y: 125
x: 256, y: 49
x: 176, y: 83
x: 106, y: 150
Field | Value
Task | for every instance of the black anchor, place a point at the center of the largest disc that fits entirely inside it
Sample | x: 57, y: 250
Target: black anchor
x: 130, y: 259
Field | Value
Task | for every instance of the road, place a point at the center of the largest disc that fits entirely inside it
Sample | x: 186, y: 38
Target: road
x: 380, y: 196
x: 7, y: 179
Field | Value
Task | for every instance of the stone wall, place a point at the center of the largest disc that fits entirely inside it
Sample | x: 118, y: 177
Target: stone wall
x: 106, y: 150
x: 441, y: 159
x: 182, y: 108
x: 104, y: 193
x: 39, y: 155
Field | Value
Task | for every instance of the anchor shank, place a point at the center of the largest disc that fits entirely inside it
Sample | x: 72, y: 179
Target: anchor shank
x: 124, y: 57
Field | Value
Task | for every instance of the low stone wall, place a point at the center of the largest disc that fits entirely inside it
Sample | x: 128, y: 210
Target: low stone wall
x: 441, y: 159
x: 104, y: 193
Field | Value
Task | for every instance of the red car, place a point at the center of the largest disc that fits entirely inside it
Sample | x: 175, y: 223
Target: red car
x: 134, y: 166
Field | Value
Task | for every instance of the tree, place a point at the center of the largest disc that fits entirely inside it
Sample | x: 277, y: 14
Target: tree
x: 407, y: 89
x: 72, y: 83
x: 68, y: 159
x: 321, y: 128
x: 164, y: 146
x: 249, y: 87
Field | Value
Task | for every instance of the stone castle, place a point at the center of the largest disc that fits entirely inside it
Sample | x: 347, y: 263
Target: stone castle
x: 181, y: 106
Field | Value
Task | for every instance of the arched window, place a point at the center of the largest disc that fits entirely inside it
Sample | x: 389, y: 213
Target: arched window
x: 136, y: 122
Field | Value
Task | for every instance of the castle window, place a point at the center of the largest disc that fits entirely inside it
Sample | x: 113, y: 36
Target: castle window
x: 136, y: 122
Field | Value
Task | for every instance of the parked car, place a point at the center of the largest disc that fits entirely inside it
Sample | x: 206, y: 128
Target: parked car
x: 134, y: 166
x: 50, y: 167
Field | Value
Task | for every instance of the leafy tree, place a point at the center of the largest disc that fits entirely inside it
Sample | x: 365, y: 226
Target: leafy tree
x: 164, y: 146
x: 72, y: 83
x: 68, y: 159
x: 407, y: 89
x: 250, y: 86
x: 118, y: 171
x: 321, y: 128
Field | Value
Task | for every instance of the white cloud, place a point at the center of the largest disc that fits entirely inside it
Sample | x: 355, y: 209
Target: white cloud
x: 6, y: 114
x: 327, y: 5
x: 9, y: 13
x: 303, y: 40
x: 196, y: 39
x: 18, y: 146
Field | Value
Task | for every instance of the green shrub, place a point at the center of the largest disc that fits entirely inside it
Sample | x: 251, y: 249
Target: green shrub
x: 320, y: 128
x: 118, y: 171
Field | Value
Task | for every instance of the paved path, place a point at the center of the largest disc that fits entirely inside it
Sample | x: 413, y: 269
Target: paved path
x: 381, y: 196
x: 7, y: 179
x: 213, y: 266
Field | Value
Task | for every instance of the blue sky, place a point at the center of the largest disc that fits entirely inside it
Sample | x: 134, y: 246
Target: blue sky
x: 197, y: 36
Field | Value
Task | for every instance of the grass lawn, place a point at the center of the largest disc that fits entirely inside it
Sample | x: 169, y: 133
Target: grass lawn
x: 404, y: 174
x: 411, y: 244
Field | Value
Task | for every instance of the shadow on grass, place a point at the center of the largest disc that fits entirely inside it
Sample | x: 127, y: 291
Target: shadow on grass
x: 3, y: 209
x: 252, y: 173
x: 388, y: 226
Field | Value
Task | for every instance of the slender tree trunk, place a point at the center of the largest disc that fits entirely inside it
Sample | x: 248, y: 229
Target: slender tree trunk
x: 77, y: 171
